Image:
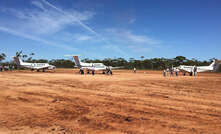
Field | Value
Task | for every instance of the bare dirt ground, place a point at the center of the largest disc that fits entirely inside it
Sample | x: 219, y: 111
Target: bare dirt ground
x: 125, y: 103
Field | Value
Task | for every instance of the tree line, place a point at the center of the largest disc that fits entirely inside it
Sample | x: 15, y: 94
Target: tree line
x: 142, y: 63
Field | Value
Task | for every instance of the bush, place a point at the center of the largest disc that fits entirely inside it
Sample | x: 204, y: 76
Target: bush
x: 219, y: 68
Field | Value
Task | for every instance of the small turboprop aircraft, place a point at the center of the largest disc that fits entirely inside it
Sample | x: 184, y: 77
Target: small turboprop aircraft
x: 93, y: 66
x: 33, y: 66
x: 189, y: 69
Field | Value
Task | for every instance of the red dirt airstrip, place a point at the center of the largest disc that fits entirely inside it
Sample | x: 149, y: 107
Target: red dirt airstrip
x: 125, y: 103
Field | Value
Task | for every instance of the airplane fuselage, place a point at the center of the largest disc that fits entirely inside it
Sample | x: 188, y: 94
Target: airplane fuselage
x: 93, y: 66
x: 198, y: 69
x: 35, y: 65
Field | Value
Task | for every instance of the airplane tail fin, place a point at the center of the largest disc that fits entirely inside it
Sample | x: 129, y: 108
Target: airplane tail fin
x: 77, y: 61
x: 18, y: 61
x: 212, y: 64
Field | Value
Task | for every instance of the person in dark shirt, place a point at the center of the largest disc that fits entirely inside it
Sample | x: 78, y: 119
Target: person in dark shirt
x: 194, y: 70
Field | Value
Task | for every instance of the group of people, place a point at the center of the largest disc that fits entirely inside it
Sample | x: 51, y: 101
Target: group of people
x: 6, y: 68
x: 108, y: 71
x: 170, y: 72
x: 193, y: 71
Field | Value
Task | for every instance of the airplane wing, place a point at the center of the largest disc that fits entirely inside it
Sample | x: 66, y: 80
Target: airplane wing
x: 40, y: 67
x: 116, y: 67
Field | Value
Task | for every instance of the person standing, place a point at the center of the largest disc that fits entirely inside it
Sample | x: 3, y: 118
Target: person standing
x: 135, y: 70
x: 164, y: 73
x: 176, y: 73
x: 110, y: 71
x: 191, y: 73
x: 107, y: 70
x: 93, y: 70
x: 195, y: 70
x: 167, y: 72
x: 171, y: 71
x: 81, y: 71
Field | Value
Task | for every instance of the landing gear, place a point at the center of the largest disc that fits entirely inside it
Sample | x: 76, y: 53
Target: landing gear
x: 88, y: 72
x: 38, y: 70
x: 103, y: 72
x: 32, y: 69
x: 43, y: 70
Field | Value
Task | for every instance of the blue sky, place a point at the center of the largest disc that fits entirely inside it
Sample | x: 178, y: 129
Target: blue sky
x: 111, y: 28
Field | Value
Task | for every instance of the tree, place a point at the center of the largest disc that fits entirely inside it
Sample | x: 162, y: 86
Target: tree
x: 219, y: 69
x: 18, y: 54
x: 24, y: 56
x: 30, y: 56
x: 179, y: 60
x: 2, y: 57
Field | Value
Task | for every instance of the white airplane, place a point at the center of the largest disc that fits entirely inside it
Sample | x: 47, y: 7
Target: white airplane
x: 33, y: 66
x: 189, y: 69
x: 92, y: 66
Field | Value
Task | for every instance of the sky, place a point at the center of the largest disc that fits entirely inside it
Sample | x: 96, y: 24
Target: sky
x: 99, y: 29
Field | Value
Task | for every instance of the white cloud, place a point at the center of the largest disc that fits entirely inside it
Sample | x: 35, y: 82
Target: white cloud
x: 38, y: 4
x: 83, y: 37
x: 132, y: 20
x: 140, y: 38
x: 77, y: 19
x: 127, y: 37
x: 47, y: 20
x: 34, y: 38
x: 130, y: 41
